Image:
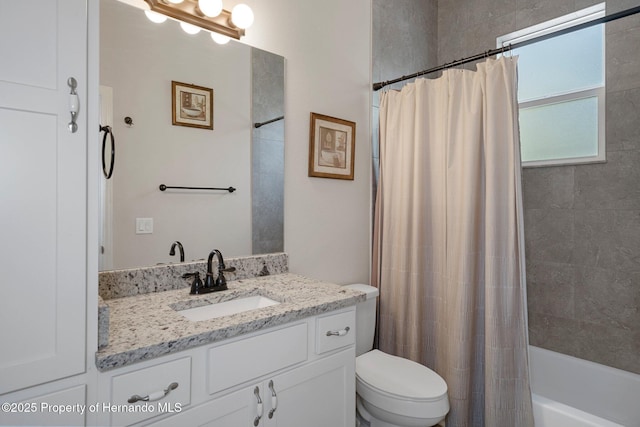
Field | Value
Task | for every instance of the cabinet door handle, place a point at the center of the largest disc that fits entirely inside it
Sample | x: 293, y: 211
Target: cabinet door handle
x: 74, y: 104
x: 274, y: 399
x: 157, y: 395
x: 339, y: 333
x: 259, y: 408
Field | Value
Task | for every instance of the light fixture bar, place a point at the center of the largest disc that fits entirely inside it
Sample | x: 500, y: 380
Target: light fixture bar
x: 188, y: 11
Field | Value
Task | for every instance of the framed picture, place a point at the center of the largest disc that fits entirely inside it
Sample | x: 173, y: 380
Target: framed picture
x: 331, y: 147
x: 191, y: 105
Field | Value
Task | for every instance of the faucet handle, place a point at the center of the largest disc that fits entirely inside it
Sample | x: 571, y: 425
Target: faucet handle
x: 196, y: 285
x: 221, y: 281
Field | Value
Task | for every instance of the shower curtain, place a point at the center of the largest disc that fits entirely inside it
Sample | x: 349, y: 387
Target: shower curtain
x: 448, y: 240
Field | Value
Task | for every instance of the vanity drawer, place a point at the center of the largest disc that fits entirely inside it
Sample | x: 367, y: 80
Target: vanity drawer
x: 153, y: 381
x: 335, y: 331
x: 245, y: 360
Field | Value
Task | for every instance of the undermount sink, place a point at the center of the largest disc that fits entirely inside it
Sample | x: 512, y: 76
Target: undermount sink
x: 226, y: 308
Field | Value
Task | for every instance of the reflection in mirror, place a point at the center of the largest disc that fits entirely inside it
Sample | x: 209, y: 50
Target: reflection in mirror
x: 139, y: 223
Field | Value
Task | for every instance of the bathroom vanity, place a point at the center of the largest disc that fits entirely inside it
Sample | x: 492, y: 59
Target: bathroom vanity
x: 287, y: 364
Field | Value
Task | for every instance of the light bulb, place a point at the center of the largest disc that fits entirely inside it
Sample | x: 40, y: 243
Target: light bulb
x: 211, y: 8
x: 155, y: 17
x: 189, y: 29
x: 220, y: 38
x: 242, y: 16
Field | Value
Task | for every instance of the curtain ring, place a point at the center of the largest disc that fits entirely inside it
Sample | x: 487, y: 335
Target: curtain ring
x: 508, y: 47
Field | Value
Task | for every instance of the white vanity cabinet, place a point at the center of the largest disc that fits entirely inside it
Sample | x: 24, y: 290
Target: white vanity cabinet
x: 317, y: 394
x: 283, y: 376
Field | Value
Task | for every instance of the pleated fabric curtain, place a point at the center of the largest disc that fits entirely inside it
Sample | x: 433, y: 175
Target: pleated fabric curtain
x: 449, y: 242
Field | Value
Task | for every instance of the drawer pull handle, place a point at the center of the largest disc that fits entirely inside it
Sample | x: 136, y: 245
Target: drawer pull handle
x: 259, y: 408
x: 153, y: 396
x: 339, y: 333
x: 274, y: 399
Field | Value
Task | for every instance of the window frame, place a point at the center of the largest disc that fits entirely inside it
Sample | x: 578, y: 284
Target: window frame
x: 598, y: 92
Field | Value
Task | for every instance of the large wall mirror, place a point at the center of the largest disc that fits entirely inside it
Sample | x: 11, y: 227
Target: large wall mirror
x: 139, y: 223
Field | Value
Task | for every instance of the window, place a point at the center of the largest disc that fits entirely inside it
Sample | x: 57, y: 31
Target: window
x: 561, y: 91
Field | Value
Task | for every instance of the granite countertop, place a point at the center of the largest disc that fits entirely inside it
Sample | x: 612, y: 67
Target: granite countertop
x: 145, y: 326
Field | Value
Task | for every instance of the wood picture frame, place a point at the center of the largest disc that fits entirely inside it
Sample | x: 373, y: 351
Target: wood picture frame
x: 331, y: 147
x: 191, y: 105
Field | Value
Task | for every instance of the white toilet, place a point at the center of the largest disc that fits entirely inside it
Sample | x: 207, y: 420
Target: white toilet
x: 392, y: 391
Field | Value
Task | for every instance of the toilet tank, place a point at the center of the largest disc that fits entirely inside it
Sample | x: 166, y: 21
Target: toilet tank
x: 365, y: 318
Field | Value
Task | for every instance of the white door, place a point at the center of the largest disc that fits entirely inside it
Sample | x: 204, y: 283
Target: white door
x: 43, y: 174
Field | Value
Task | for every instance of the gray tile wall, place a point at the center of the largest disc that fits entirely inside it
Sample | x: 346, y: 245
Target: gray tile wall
x: 404, y: 42
x: 267, y: 153
x: 582, y: 223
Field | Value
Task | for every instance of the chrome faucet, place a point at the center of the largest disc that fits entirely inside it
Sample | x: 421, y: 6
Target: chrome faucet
x: 172, y: 252
x: 220, y: 283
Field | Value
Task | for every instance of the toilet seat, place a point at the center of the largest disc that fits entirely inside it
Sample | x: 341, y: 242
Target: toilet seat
x: 400, y: 386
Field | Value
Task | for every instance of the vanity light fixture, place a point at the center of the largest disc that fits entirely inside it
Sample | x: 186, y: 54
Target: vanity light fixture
x: 155, y: 17
x: 189, y: 29
x: 210, y: 8
x: 206, y: 14
x: 220, y: 38
x: 242, y: 16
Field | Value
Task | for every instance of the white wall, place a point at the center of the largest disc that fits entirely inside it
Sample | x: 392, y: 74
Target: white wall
x: 327, y: 46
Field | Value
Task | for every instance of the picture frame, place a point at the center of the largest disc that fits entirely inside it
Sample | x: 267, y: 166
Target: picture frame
x: 191, y: 105
x: 331, y: 147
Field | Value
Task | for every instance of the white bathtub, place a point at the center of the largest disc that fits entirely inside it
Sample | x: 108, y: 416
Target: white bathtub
x: 571, y: 392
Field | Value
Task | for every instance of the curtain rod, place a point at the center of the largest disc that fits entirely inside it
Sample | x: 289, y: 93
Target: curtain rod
x: 491, y: 52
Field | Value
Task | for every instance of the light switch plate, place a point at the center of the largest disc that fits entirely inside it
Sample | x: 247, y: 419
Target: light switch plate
x: 144, y: 225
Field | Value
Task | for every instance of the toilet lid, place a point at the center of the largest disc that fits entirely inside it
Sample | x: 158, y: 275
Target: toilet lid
x: 401, y: 377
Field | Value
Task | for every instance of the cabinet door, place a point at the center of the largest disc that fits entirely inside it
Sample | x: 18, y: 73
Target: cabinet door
x: 44, y: 410
x: 319, y: 394
x: 42, y: 192
x: 236, y: 409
